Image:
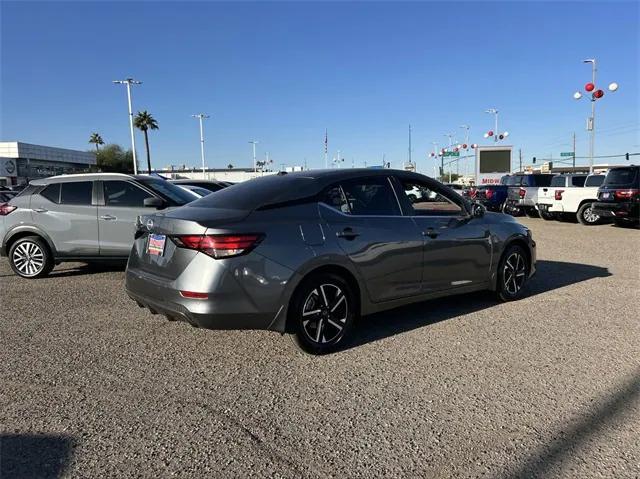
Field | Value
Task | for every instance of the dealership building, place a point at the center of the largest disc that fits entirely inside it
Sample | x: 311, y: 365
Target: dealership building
x: 22, y: 162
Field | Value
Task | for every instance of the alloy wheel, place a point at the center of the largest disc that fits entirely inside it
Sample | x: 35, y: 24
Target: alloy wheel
x: 589, y: 216
x: 324, y: 313
x: 514, y: 273
x: 28, y: 258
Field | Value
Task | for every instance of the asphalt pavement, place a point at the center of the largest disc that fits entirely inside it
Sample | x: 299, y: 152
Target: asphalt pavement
x: 548, y: 386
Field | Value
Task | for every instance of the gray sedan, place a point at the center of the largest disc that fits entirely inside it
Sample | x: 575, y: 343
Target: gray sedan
x: 308, y: 253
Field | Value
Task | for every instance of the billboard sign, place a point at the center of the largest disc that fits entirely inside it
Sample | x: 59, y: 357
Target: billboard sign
x: 492, y: 163
x: 8, y: 167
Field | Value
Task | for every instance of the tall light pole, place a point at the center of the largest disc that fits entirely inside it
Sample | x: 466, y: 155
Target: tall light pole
x: 129, y: 82
x: 494, y: 112
x: 201, y: 116
x: 255, y: 166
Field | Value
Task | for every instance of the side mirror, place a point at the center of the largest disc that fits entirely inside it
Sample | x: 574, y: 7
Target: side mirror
x: 477, y: 210
x: 154, y: 202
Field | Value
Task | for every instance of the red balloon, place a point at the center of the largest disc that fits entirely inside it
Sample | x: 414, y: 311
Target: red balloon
x: 490, y: 133
x: 455, y: 149
x: 598, y: 94
x: 589, y: 86
x: 464, y: 146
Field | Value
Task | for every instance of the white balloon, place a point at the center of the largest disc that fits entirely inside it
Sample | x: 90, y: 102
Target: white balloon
x: 613, y: 86
x: 505, y: 134
x: 577, y: 95
x: 486, y: 135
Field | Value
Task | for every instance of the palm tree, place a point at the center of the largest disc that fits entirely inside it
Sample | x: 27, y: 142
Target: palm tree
x: 96, y: 139
x: 144, y: 121
x: 230, y: 166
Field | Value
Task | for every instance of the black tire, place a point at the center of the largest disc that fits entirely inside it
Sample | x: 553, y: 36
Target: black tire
x: 322, y: 314
x: 509, y: 287
x: 531, y: 212
x: 545, y: 215
x: 622, y: 223
x: 30, y: 257
x: 586, y: 216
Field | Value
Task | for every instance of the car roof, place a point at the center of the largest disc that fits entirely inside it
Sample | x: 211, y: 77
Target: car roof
x: 80, y: 177
x: 189, y: 181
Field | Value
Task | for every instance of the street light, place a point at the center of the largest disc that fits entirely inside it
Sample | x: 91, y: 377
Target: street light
x: 255, y: 165
x: 596, y: 94
x: 201, y: 116
x: 129, y: 82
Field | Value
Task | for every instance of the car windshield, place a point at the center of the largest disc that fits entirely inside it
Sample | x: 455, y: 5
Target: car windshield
x: 168, y: 191
x: 622, y: 177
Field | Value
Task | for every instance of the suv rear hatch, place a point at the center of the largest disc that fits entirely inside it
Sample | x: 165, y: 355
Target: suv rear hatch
x: 621, y: 185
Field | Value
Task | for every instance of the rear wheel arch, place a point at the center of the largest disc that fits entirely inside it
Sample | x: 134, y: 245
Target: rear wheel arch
x: 337, y: 270
x: 22, y: 233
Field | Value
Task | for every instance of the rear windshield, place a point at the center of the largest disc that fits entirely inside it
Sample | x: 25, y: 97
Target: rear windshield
x: 558, y: 181
x: 622, y: 177
x: 595, y: 180
x: 513, y: 180
x: 539, y: 180
x: 252, y: 194
x: 168, y: 191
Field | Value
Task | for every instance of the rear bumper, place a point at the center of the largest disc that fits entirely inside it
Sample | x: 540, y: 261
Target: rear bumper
x: 625, y: 210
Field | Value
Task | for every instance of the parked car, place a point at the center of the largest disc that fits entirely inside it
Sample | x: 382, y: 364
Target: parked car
x: 87, y: 217
x: 7, y: 195
x: 619, y: 196
x: 493, y: 197
x: 564, y: 198
x: 522, y: 195
x: 308, y: 253
x: 210, y: 185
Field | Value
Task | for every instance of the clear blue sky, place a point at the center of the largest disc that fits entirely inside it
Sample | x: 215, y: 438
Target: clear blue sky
x: 281, y: 73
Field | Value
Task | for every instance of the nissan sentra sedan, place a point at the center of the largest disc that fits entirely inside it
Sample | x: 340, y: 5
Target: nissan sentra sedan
x: 309, y: 253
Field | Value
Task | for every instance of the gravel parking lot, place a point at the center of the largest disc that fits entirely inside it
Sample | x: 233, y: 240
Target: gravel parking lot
x: 549, y: 386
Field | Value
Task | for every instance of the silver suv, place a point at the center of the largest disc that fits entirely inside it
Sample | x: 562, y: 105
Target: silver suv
x: 88, y: 217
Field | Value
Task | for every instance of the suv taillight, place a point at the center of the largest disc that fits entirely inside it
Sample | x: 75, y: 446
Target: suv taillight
x: 626, y: 194
x: 522, y: 192
x: 558, y: 194
x: 5, y: 209
x: 219, y: 246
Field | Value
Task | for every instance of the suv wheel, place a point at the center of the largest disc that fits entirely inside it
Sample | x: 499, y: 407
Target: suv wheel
x: 30, y: 257
x: 586, y: 216
x: 322, y: 314
x: 513, y: 272
x: 531, y: 212
x: 545, y: 215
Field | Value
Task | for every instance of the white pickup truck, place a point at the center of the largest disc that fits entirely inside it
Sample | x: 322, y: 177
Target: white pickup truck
x: 570, y: 199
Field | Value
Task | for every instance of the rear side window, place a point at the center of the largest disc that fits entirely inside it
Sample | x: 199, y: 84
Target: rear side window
x: 76, y: 193
x: 123, y: 193
x: 594, y: 180
x: 578, y: 180
x: 52, y: 192
x: 371, y: 197
x: 623, y: 177
x: 557, y: 181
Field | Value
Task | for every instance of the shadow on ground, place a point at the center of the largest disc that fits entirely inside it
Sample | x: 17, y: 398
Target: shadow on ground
x: 34, y: 455
x: 550, y: 275
x: 564, y: 442
x: 80, y: 269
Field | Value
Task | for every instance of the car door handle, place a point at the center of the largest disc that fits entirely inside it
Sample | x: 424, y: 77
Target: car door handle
x: 347, y: 233
x: 431, y: 233
x: 40, y: 210
x: 108, y: 217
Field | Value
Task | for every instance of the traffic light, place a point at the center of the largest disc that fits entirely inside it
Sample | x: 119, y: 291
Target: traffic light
x: 534, y: 159
x: 627, y: 155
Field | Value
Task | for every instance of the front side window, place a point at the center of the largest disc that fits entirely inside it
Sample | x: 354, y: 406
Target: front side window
x: 76, y: 193
x: 371, y: 197
x: 334, y: 197
x: 427, y: 201
x: 123, y: 193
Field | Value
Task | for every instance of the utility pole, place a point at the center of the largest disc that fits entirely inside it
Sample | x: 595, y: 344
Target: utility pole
x: 520, y: 155
x: 326, y: 149
x: 201, y: 116
x: 129, y: 82
x: 591, y: 123
x: 574, y: 150
x: 409, y: 143
x: 255, y: 165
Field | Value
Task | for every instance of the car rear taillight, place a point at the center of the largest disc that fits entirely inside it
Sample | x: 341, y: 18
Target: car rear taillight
x: 488, y: 194
x: 193, y: 295
x: 558, y: 194
x: 626, y: 194
x: 5, y: 209
x: 219, y: 246
x: 522, y: 192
